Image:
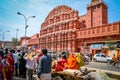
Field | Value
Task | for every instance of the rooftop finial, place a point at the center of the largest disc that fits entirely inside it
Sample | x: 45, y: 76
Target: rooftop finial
x: 94, y: 1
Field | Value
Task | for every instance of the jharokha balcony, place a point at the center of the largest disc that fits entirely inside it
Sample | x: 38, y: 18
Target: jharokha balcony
x: 104, y: 30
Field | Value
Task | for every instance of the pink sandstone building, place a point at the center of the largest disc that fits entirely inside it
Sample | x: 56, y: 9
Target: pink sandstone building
x: 64, y: 30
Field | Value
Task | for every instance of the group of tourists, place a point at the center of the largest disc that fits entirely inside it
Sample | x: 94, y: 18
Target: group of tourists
x: 23, y: 64
x: 14, y: 62
x: 11, y: 63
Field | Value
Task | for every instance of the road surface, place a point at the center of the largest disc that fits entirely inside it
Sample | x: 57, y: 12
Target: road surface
x: 101, y: 65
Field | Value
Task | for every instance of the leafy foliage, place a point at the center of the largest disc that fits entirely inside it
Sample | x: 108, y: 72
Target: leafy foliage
x: 15, y: 42
x: 110, y: 43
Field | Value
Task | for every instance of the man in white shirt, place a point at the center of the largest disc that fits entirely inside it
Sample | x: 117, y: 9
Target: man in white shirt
x: 30, y: 65
x: 15, y: 56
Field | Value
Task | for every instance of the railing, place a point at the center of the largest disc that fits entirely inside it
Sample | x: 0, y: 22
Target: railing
x: 105, y: 30
x: 33, y: 41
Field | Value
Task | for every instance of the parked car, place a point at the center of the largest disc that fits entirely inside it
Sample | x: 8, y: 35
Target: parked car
x: 101, y: 57
x: 52, y: 54
x: 117, y: 44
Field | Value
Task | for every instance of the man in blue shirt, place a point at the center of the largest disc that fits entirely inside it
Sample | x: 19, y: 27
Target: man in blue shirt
x: 44, y: 66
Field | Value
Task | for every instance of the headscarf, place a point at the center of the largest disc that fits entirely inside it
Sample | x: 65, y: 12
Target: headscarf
x: 72, y: 62
x: 79, y: 60
x: 61, y: 64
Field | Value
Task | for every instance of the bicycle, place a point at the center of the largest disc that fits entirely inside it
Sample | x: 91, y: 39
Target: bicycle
x: 118, y: 64
x: 111, y: 64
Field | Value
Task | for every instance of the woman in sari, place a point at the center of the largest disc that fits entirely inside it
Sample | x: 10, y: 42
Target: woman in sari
x: 9, y: 66
x: 60, y: 66
x: 72, y: 62
x: 80, y: 60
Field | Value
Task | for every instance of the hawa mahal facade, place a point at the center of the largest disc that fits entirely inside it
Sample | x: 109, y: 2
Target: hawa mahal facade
x: 64, y: 30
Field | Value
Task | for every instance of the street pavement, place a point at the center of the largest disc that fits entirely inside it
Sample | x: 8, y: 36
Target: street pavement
x: 101, y: 65
x: 20, y: 78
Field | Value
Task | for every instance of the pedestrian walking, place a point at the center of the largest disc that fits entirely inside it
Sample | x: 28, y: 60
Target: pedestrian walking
x: 90, y: 56
x: 30, y: 65
x: 15, y: 56
x: 44, y: 66
x: 22, y: 68
x: 9, y: 66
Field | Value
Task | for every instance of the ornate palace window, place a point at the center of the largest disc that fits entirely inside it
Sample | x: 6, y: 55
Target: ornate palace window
x: 98, y: 6
x: 108, y: 29
x: 114, y: 28
x: 68, y: 16
x: 103, y: 29
x: 94, y: 8
x: 81, y: 33
x: 89, y: 32
x: 84, y: 32
x: 93, y: 31
x: 98, y: 30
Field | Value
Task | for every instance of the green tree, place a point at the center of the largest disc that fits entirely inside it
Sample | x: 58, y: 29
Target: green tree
x: 15, y: 42
x: 110, y: 43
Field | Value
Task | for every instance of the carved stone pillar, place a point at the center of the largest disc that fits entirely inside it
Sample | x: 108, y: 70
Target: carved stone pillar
x: 74, y: 46
x: 67, y: 26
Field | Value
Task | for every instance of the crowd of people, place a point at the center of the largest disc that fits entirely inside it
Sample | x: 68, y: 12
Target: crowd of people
x: 14, y: 62
x: 74, y: 61
x: 11, y: 63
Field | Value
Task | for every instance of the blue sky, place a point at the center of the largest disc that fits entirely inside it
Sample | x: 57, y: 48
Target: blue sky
x: 9, y: 20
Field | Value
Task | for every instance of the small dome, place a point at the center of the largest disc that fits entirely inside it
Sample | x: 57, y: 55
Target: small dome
x: 94, y: 1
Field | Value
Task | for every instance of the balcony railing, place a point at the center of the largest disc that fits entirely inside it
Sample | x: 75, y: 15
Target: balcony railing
x: 105, y: 30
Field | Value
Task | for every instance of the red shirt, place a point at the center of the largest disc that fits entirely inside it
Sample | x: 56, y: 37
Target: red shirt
x: 38, y: 57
